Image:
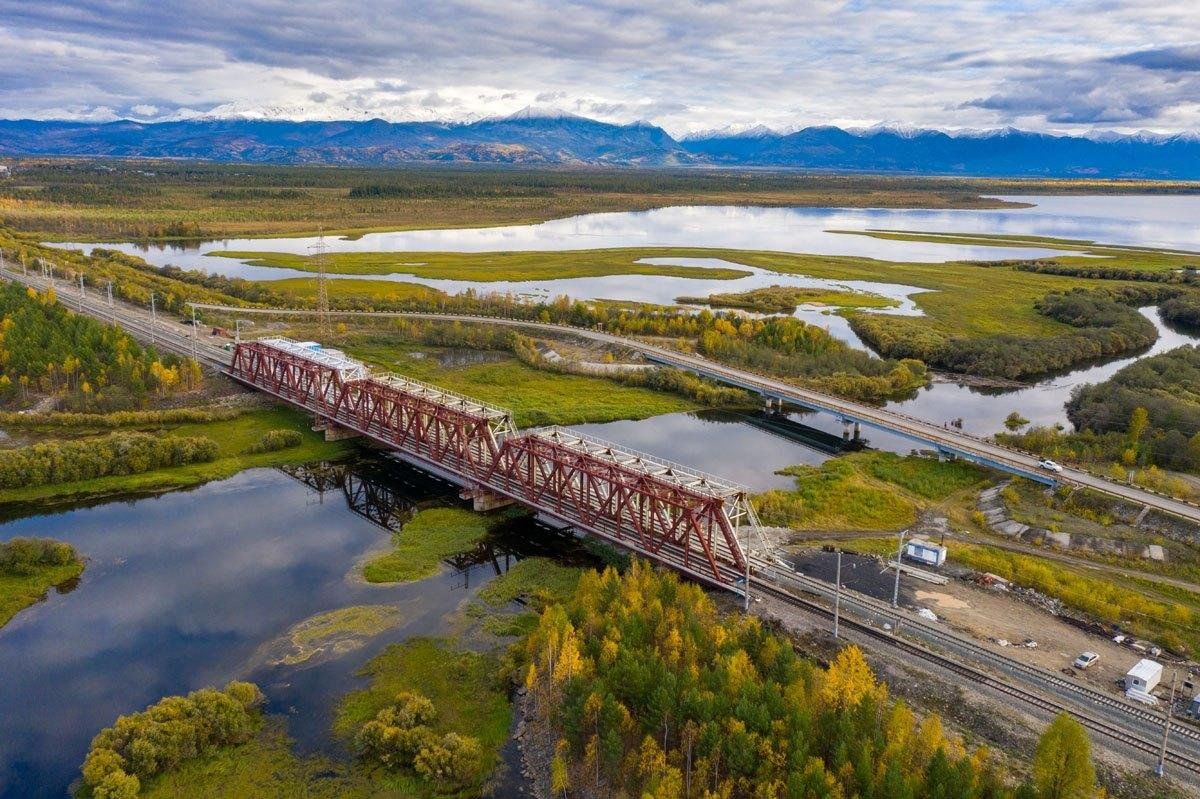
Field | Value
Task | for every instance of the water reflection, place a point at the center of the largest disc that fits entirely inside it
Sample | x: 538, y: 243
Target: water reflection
x: 717, y: 442
x: 182, y: 589
x: 982, y: 410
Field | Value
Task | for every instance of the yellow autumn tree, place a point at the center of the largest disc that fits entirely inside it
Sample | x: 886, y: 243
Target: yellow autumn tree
x: 848, y: 680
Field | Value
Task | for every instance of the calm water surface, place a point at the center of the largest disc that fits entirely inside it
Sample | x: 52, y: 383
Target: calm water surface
x: 181, y: 590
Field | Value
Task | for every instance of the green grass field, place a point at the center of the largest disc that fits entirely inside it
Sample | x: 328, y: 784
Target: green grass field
x: 538, y: 580
x: 467, y: 688
x: 784, y: 299
x: 485, y: 266
x: 18, y: 592
x: 264, y: 768
x: 960, y: 299
x: 350, y: 288
x: 865, y: 491
x: 535, y: 397
x: 424, y: 541
x: 233, y: 437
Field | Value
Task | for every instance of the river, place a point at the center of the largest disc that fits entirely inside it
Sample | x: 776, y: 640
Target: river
x: 181, y: 591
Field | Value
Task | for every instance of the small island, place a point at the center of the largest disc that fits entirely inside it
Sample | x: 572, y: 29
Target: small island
x: 29, y: 568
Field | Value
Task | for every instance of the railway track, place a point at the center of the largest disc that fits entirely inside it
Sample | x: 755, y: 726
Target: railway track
x: 958, y: 443
x: 166, y: 335
x: 953, y: 642
x: 1147, y: 745
x: 178, y: 339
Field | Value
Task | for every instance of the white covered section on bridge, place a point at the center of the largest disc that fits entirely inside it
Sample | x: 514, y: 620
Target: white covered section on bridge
x: 346, y: 367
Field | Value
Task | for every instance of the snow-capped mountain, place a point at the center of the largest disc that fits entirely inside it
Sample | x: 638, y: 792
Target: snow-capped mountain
x: 547, y: 135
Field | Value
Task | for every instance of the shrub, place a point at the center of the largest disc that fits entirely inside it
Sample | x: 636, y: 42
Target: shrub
x: 166, y: 734
x: 23, y: 556
x: 120, y: 453
x: 275, y: 440
x: 400, y: 737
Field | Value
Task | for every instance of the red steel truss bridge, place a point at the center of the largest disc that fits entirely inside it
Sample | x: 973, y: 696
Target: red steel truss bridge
x: 676, y: 516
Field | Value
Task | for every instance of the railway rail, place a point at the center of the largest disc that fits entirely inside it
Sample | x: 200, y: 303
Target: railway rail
x: 1148, y: 744
x: 950, y: 442
x: 1086, y: 704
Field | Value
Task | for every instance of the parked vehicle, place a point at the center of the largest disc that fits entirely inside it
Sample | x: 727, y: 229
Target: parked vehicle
x: 1049, y: 465
x: 1085, y: 660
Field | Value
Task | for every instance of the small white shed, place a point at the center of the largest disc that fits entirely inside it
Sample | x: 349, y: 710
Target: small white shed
x: 1194, y: 707
x: 1144, y: 676
x: 926, y: 552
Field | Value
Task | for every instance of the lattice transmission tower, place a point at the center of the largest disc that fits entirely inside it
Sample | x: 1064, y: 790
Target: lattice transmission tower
x: 319, y: 250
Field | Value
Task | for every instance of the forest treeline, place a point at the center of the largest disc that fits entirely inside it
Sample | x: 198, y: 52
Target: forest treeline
x: 115, y: 419
x: 1106, y: 324
x: 66, y: 461
x: 651, y: 692
x: 132, y: 279
x: 47, y: 349
x: 246, y: 290
x: 1101, y: 272
x: 1144, y: 418
x: 165, y: 735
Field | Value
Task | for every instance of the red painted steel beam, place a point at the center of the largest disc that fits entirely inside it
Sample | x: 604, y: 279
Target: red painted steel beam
x: 674, y: 523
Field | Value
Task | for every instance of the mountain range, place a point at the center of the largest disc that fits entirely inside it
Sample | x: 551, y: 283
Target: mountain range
x: 540, y: 138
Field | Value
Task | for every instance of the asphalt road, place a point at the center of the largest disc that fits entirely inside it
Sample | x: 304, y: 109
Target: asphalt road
x: 954, y: 442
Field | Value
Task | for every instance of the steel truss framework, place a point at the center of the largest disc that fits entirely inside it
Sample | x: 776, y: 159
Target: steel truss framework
x: 678, y: 516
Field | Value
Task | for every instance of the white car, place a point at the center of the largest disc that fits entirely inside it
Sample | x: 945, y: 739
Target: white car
x: 1085, y: 660
x: 1049, y: 465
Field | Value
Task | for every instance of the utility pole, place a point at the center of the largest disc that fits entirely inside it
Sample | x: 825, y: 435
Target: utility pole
x: 112, y: 309
x: 153, y: 322
x: 899, y: 554
x: 81, y: 292
x: 837, y: 595
x: 194, y: 329
x: 1162, y: 750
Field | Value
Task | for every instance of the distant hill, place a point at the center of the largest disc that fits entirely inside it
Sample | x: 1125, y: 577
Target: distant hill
x: 990, y: 153
x: 533, y: 137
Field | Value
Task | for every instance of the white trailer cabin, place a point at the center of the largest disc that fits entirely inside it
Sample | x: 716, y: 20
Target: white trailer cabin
x: 925, y: 552
x: 1144, y: 676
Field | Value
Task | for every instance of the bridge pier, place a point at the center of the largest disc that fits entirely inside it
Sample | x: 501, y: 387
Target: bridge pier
x: 335, y: 432
x: 483, y: 500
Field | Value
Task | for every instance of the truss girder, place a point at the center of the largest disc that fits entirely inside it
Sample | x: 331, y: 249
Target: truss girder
x: 624, y: 499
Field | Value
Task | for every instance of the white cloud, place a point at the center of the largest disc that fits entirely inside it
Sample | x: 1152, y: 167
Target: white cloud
x: 685, y: 64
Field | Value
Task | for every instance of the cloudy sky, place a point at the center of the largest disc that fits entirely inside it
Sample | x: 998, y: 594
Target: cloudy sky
x: 1069, y: 66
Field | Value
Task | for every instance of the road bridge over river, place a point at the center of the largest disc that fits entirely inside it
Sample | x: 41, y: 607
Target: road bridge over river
x: 177, y: 338
x: 949, y: 442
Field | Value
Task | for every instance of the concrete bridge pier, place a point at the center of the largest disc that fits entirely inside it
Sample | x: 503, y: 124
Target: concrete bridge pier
x: 483, y: 500
x: 334, y: 431
x: 851, y: 430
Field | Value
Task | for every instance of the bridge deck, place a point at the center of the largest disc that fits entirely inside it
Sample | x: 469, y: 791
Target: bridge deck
x: 671, y: 513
